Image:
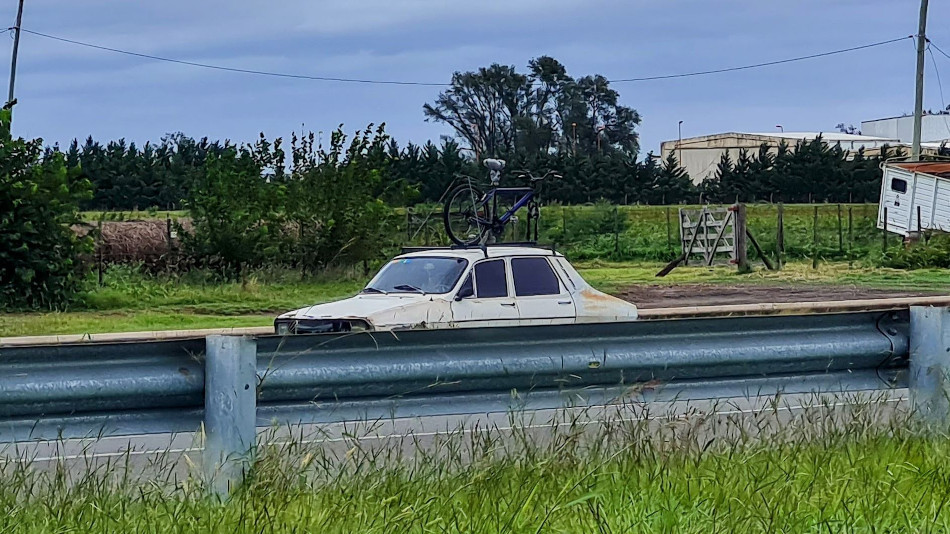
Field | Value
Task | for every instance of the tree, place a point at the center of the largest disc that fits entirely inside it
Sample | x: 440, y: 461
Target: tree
x: 672, y: 183
x: 497, y: 111
x: 40, y: 263
x: 721, y: 186
x: 482, y: 107
x: 335, y: 203
x: 235, y: 210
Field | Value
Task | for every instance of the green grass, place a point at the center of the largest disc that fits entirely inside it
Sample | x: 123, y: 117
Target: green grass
x: 613, y: 276
x: 133, y: 302
x: 40, y: 324
x: 813, y: 476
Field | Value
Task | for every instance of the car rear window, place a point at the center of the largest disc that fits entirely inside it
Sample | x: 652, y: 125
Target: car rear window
x: 491, y: 280
x: 534, y: 276
x: 899, y: 185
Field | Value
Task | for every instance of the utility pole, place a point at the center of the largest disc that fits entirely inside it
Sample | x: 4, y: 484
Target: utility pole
x: 16, y: 48
x: 919, y: 101
x: 679, y: 141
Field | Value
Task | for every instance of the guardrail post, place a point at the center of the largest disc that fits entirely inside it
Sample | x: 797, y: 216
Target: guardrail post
x: 930, y: 364
x: 230, y: 411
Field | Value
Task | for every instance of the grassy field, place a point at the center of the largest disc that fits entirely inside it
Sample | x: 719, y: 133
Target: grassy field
x: 131, y: 302
x: 831, y: 479
x: 651, y: 233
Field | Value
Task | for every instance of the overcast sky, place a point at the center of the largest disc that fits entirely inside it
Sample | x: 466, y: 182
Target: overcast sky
x: 66, y: 91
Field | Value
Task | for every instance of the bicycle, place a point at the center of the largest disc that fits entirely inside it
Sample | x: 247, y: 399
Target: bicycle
x: 471, y: 217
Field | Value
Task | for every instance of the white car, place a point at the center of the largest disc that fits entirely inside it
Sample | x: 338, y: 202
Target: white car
x: 464, y: 288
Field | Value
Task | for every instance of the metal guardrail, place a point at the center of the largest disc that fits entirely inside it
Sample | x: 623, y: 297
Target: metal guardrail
x: 233, y: 384
x: 148, y: 387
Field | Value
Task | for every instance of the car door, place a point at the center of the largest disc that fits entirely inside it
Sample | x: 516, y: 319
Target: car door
x: 492, y: 303
x: 541, y: 295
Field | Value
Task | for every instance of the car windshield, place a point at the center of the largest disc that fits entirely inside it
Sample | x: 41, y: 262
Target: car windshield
x: 418, y: 275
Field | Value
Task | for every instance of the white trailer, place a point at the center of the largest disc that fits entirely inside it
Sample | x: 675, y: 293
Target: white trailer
x: 915, y: 196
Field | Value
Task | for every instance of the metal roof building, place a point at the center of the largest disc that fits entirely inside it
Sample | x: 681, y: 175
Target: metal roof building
x: 934, y: 128
x: 700, y: 155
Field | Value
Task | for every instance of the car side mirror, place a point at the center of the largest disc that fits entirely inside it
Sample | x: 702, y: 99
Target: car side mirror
x: 465, y: 292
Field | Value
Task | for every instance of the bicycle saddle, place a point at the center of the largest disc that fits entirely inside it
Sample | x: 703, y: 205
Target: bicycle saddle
x: 495, y: 165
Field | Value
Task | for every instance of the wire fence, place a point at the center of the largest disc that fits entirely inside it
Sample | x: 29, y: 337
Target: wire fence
x: 815, y: 232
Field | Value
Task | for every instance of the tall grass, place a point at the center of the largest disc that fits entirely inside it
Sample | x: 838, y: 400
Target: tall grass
x: 818, y: 471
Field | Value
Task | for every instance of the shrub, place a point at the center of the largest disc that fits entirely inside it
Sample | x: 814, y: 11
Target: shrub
x: 934, y: 253
x: 39, y: 200
x: 235, y: 209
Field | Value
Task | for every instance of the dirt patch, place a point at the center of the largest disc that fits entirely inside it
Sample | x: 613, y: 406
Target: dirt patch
x: 661, y: 296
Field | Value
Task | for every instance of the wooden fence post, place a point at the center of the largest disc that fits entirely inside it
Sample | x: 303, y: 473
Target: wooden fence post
x: 780, y: 236
x: 669, y: 231
x: 884, y: 233
x: 739, y: 242
x: 616, y: 230
x: 814, y: 232
x: 850, y: 238
x: 99, y: 253
x: 840, y: 235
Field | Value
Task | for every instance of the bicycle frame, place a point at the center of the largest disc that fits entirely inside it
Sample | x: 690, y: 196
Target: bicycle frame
x: 492, y: 195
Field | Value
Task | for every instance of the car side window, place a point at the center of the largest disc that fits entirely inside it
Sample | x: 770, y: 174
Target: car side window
x: 467, y: 289
x: 491, y: 280
x: 534, y: 276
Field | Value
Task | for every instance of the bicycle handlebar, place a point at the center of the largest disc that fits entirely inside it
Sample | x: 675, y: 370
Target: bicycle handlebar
x: 523, y: 174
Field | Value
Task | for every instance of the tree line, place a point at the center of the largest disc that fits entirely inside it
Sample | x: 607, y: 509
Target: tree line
x: 126, y: 177
x: 811, y: 172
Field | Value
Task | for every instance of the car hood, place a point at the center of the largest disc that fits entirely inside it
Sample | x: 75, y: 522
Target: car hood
x: 358, y: 307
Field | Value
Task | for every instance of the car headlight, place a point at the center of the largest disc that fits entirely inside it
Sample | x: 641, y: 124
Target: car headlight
x: 283, y: 328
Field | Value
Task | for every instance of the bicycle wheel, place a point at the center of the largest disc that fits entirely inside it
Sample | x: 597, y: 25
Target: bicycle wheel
x: 466, y: 215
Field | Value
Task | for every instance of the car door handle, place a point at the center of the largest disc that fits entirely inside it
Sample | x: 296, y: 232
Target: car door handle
x: 510, y: 304
x: 564, y: 302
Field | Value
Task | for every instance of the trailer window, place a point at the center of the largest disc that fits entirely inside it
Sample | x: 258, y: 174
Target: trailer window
x: 898, y: 185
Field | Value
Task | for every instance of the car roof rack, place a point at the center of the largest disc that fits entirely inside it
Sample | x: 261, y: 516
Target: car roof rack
x: 483, y: 248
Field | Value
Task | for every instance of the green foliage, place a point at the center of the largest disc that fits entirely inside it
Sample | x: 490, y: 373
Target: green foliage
x: 126, y: 177
x: 812, y: 172
x: 235, y: 209
x: 498, y: 111
x: 932, y: 253
x: 329, y: 207
x: 334, y: 199
x: 39, y: 200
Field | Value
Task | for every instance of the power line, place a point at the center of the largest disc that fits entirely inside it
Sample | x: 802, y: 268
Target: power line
x: 231, y: 69
x: 766, y: 64
x: 940, y: 87
x: 938, y: 49
x: 933, y: 60
x: 433, y: 84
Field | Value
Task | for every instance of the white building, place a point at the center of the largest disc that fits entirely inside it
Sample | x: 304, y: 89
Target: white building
x: 933, y: 128
x: 700, y: 155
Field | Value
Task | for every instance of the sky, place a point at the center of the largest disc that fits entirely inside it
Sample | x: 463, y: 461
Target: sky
x: 67, y: 91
